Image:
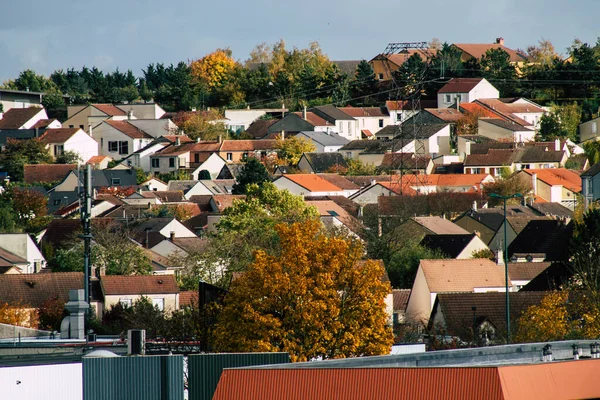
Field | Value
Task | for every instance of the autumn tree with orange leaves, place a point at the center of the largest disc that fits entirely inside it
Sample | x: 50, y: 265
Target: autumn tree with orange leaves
x: 311, y: 298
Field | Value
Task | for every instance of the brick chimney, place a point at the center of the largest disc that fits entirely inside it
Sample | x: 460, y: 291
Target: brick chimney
x: 500, y: 41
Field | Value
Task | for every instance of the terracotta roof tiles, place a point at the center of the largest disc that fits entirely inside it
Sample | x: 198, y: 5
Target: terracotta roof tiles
x: 109, y: 110
x: 313, y: 183
x: 58, y: 135
x: 462, y: 275
x: 46, y: 173
x: 15, y: 118
x: 139, y: 284
x: 128, y: 129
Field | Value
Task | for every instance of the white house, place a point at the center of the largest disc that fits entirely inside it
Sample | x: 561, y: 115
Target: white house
x: 213, y: 164
x: 70, y: 139
x: 142, y: 111
x: 343, y: 124
x: 119, y: 139
x: 370, y: 119
x: 324, y: 142
x: 499, y: 129
x: 431, y: 139
x: 155, y: 184
x: 22, y: 118
x: 589, y: 130
x: 155, y: 127
x: 308, y: 185
x: 87, y: 117
x: 240, y: 119
x: 465, y: 90
x: 141, y: 158
x: 21, y: 245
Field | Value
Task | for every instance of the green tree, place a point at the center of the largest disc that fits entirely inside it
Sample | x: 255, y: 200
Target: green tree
x: 54, y: 103
x: 246, y: 226
x: 291, y: 149
x: 507, y: 187
x: 410, y: 75
x: 364, y: 84
x: 313, y: 298
x: 69, y: 157
x: 585, y: 251
x: 562, y: 122
x: 404, y: 264
x: 253, y: 172
x: 17, y: 153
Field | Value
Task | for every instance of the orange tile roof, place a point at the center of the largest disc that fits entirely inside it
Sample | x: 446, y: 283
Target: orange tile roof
x: 128, y: 129
x: 462, y: 275
x: 188, y: 298
x: 558, y: 176
x: 109, y: 109
x: 314, y: 119
x: 248, y: 145
x: 97, y: 159
x: 138, y: 284
x: 460, y: 85
x: 479, y: 50
x: 478, y: 108
x: 445, y: 114
x: 313, y: 183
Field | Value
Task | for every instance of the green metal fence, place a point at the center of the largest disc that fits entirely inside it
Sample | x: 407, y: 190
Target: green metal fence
x: 204, y: 370
x: 133, y: 378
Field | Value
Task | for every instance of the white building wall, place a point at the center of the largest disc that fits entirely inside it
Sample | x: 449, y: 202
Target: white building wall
x: 180, y: 230
x: 23, y: 246
x: 213, y: 164
x: 58, y: 381
x: 82, y: 144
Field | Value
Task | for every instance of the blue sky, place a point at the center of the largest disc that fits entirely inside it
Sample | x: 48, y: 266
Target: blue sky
x: 48, y: 35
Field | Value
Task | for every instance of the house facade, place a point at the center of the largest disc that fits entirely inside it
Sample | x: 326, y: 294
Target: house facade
x: 120, y: 139
x: 465, y: 90
x: 75, y: 140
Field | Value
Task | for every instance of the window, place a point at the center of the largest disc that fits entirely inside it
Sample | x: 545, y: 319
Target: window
x: 59, y: 149
x: 349, y: 127
x: 123, y: 147
x: 380, y: 76
x: 56, y: 202
x: 171, y: 162
x: 197, y: 158
x: 459, y: 97
x: 101, y: 142
x: 125, y: 302
x: 229, y: 156
x: 159, y: 303
x: 381, y: 123
x: 113, y: 146
x: 155, y: 162
x: 263, y: 154
x: 115, y: 181
x: 349, y: 154
x: 447, y: 99
x: 341, y: 127
x: 245, y: 155
x: 81, y: 127
x: 71, y: 126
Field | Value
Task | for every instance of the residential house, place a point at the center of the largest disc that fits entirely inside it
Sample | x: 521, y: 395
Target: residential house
x: 172, y: 158
x: 419, y: 227
x: 499, y: 129
x: 32, y: 291
x: 429, y: 116
x: 260, y: 129
x: 400, y: 297
x: 324, y: 142
x: 488, y: 223
x: 307, y: 185
x: 465, y: 90
x: 521, y: 273
x: 514, y: 159
x: 100, y: 179
x: 155, y: 184
x: 435, y: 277
x: 238, y: 121
x: 10, y: 99
x: 370, y: 119
x: 298, y: 122
x: 88, y: 117
x: 99, y: 162
x: 406, y: 162
x: 316, y: 163
x: 189, y: 188
x: 521, y: 111
x: 458, y: 246
x: 168, y: 228
x: 46, y: 173
x: 161, y: 290
x: 334, y: 216
x: 589, y: 130
x: 235, y: 151
x: 555, y: 185
x: 402, y: 110
x: 75, y: 140
x: 345, y: 125
x: 141, y: 158
x: 213, y: 164
x: 477, y: 51
x: 142, y: 111
x: 368, y: 151
x: 11, y: 263
x: 542, y: 240
x: 22, y: 246
x: 347, y: 186
x: 463, y: 314
x: 385, y: 64
x: 590, y: 184
x: 22, y: 118
x: 119, y: 139
x: 230, y: 171
x: 431, y: 140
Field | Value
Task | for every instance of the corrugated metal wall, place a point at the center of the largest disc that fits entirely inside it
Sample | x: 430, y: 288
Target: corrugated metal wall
x: 204, y: 370
x: 133, y: 378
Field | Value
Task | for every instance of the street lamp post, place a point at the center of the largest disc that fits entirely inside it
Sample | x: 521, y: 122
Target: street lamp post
x: 505, y: 255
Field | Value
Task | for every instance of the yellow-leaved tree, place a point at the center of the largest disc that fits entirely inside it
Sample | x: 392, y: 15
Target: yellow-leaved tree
x: 213, y: 69
x: 313, y: 298
x: 290, y: 150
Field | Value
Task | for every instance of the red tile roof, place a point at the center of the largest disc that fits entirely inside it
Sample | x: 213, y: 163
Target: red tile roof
x: 479, y: 50
x: 109, y: 109
x: 364, y: 111
x: 313, y: 183
x: 97, y: 159
x: 34, y: 289
x: 138, y: 284
x: 46, y: 173
x: 58, y: 135
x: 42, y: 123
x: 188, y: 298
x: 248, y: 145
x: 128, y: 129
x: 401, y: 297
x: 15, y: 118
x: 478, y: 108
x: 445, y: 114
x: 460, y: 85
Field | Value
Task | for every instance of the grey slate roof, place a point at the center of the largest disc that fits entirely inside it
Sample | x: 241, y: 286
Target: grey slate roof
x: 331, y: 113
x: 409, y: 131
x: 322, y: 162
x: 325, y: 139
x: 450, y: 245
x: 592, y: 171
x: 369, y: 146
x: 509, y: 125
x: 183, y: 185
x: 104, y: 177
x: 21, y: 134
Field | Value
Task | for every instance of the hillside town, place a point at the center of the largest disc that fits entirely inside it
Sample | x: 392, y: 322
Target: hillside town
x: 329, y: 216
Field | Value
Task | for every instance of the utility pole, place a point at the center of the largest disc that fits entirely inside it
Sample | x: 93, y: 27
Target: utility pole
x: 86, y: 211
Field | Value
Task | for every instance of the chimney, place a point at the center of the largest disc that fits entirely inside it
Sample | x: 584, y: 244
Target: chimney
x: 474, y: 208
x: 193, y: 109
x: 177, y: 141
x: 2, y: 114
x: 477, y: 233
x: 373, y: 182
x: 458, y: 103
x: 172, y: 236
x: 197, y: 140
x: 557, y: 145
x: 282, y: 134
x: 467, y: 148
x: 304, y: 113
x: 534, y: 183
x: 90, y: 130
x: 499, y: 257
x: 72, y: 326
x: 130, y: 114
x: 500, y: 41
x: 220, y: 139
